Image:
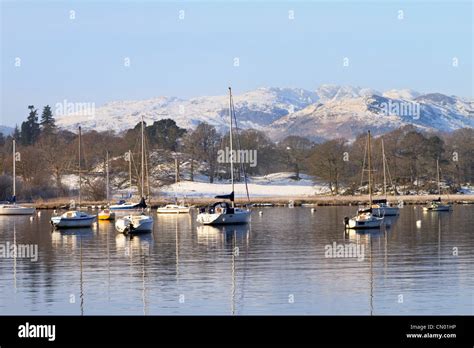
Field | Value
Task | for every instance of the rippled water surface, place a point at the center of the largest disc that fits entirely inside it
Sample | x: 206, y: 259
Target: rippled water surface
x: 276, y: 265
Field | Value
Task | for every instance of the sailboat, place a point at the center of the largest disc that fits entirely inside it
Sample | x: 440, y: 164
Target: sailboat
x: 138, y: 223
x: 74, y: 218
x: 436, y: 205
x: 106, y: 214
x: 11, y: 208
x: 365, y: 219
x: 381, y: 207
x: 223, y: 212
x: 122, y: 204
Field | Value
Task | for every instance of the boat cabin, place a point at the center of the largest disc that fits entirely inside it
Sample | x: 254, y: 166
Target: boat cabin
x: 218, y: 208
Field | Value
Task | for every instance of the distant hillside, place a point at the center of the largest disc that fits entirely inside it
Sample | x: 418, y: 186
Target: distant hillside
x: 328, y: 112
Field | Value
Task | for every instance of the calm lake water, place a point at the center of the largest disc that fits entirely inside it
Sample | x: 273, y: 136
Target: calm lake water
x: 275, y: 265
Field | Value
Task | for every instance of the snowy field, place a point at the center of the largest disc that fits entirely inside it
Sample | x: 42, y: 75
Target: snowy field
x: 273, y: 185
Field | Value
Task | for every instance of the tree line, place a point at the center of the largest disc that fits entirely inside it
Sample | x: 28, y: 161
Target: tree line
x: 50, y: 158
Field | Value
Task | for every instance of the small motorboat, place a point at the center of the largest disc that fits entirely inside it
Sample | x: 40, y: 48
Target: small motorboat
x: 73, y: 219
x: 106, y: 214
x: 363, y: 220
x: 173, y: 209
x: 134, y: 224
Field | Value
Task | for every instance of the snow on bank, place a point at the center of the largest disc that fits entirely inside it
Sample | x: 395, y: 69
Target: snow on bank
x: 273, y: 185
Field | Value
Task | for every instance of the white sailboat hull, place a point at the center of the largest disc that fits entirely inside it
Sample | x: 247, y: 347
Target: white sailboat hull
x: 238, y: 217
x: 363, y: 220
x: 13, y: 209
x: 356, y: 224
x: 134, y: 224
x: 173, y: 209
x: 61, y: 222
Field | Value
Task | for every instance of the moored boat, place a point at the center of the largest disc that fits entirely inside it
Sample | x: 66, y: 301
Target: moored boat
x: 173, y: 209
x: 11, y: 208
x: 380, y: 207
x: 134, y: 224
x: 221, y: 213
x: 73, y: 219
x: 436, y: 204
x: 137, y: 223
x: 106, y: 214
x: 15, y: 209
x: 365, y: 218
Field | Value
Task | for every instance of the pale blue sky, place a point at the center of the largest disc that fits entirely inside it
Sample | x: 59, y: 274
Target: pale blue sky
x: 81, y: 60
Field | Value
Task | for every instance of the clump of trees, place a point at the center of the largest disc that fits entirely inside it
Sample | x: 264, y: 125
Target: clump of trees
x: 49, y: 157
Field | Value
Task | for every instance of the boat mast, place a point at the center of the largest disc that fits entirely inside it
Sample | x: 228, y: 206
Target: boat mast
x: 231, y: 151
x: 130, y: 170
x: 143, y: 159
x: 437, y: 175
x: 107, y: 175
x: 80, y: 175
x: 384, y: 177
x: 14, y: 168
x: 370, y: 173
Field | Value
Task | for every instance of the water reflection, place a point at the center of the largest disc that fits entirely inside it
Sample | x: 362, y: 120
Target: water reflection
x: 243, y: 269
x: 224, y: 234
x: 232, y: 238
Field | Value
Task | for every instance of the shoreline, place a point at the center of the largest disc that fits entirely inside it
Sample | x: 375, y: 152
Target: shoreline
x: 319, y: 200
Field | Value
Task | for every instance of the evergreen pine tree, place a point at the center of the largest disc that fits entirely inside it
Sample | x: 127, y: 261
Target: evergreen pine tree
x: 17, y: 133
x: 48, y: 124
x: 30, y: 129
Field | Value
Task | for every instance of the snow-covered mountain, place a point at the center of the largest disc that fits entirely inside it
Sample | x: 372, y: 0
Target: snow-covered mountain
x: 255, y: 109
x: 328, y: 112
x: 349, y: 116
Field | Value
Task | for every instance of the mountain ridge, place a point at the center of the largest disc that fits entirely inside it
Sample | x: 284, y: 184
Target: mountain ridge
x: 327, y: 112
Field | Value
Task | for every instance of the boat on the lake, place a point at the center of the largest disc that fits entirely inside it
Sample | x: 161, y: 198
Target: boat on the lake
x: 74, y: 218
x: 11, y: 207
x: 106, y: 214
x: 365, y: 218
x: 173, y: 209
x: 134, y: 224
x: 138, y: 223
x: 436, y: 204
x: 124, y: 204
x: 381, y: 207
x: 224, y: 212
